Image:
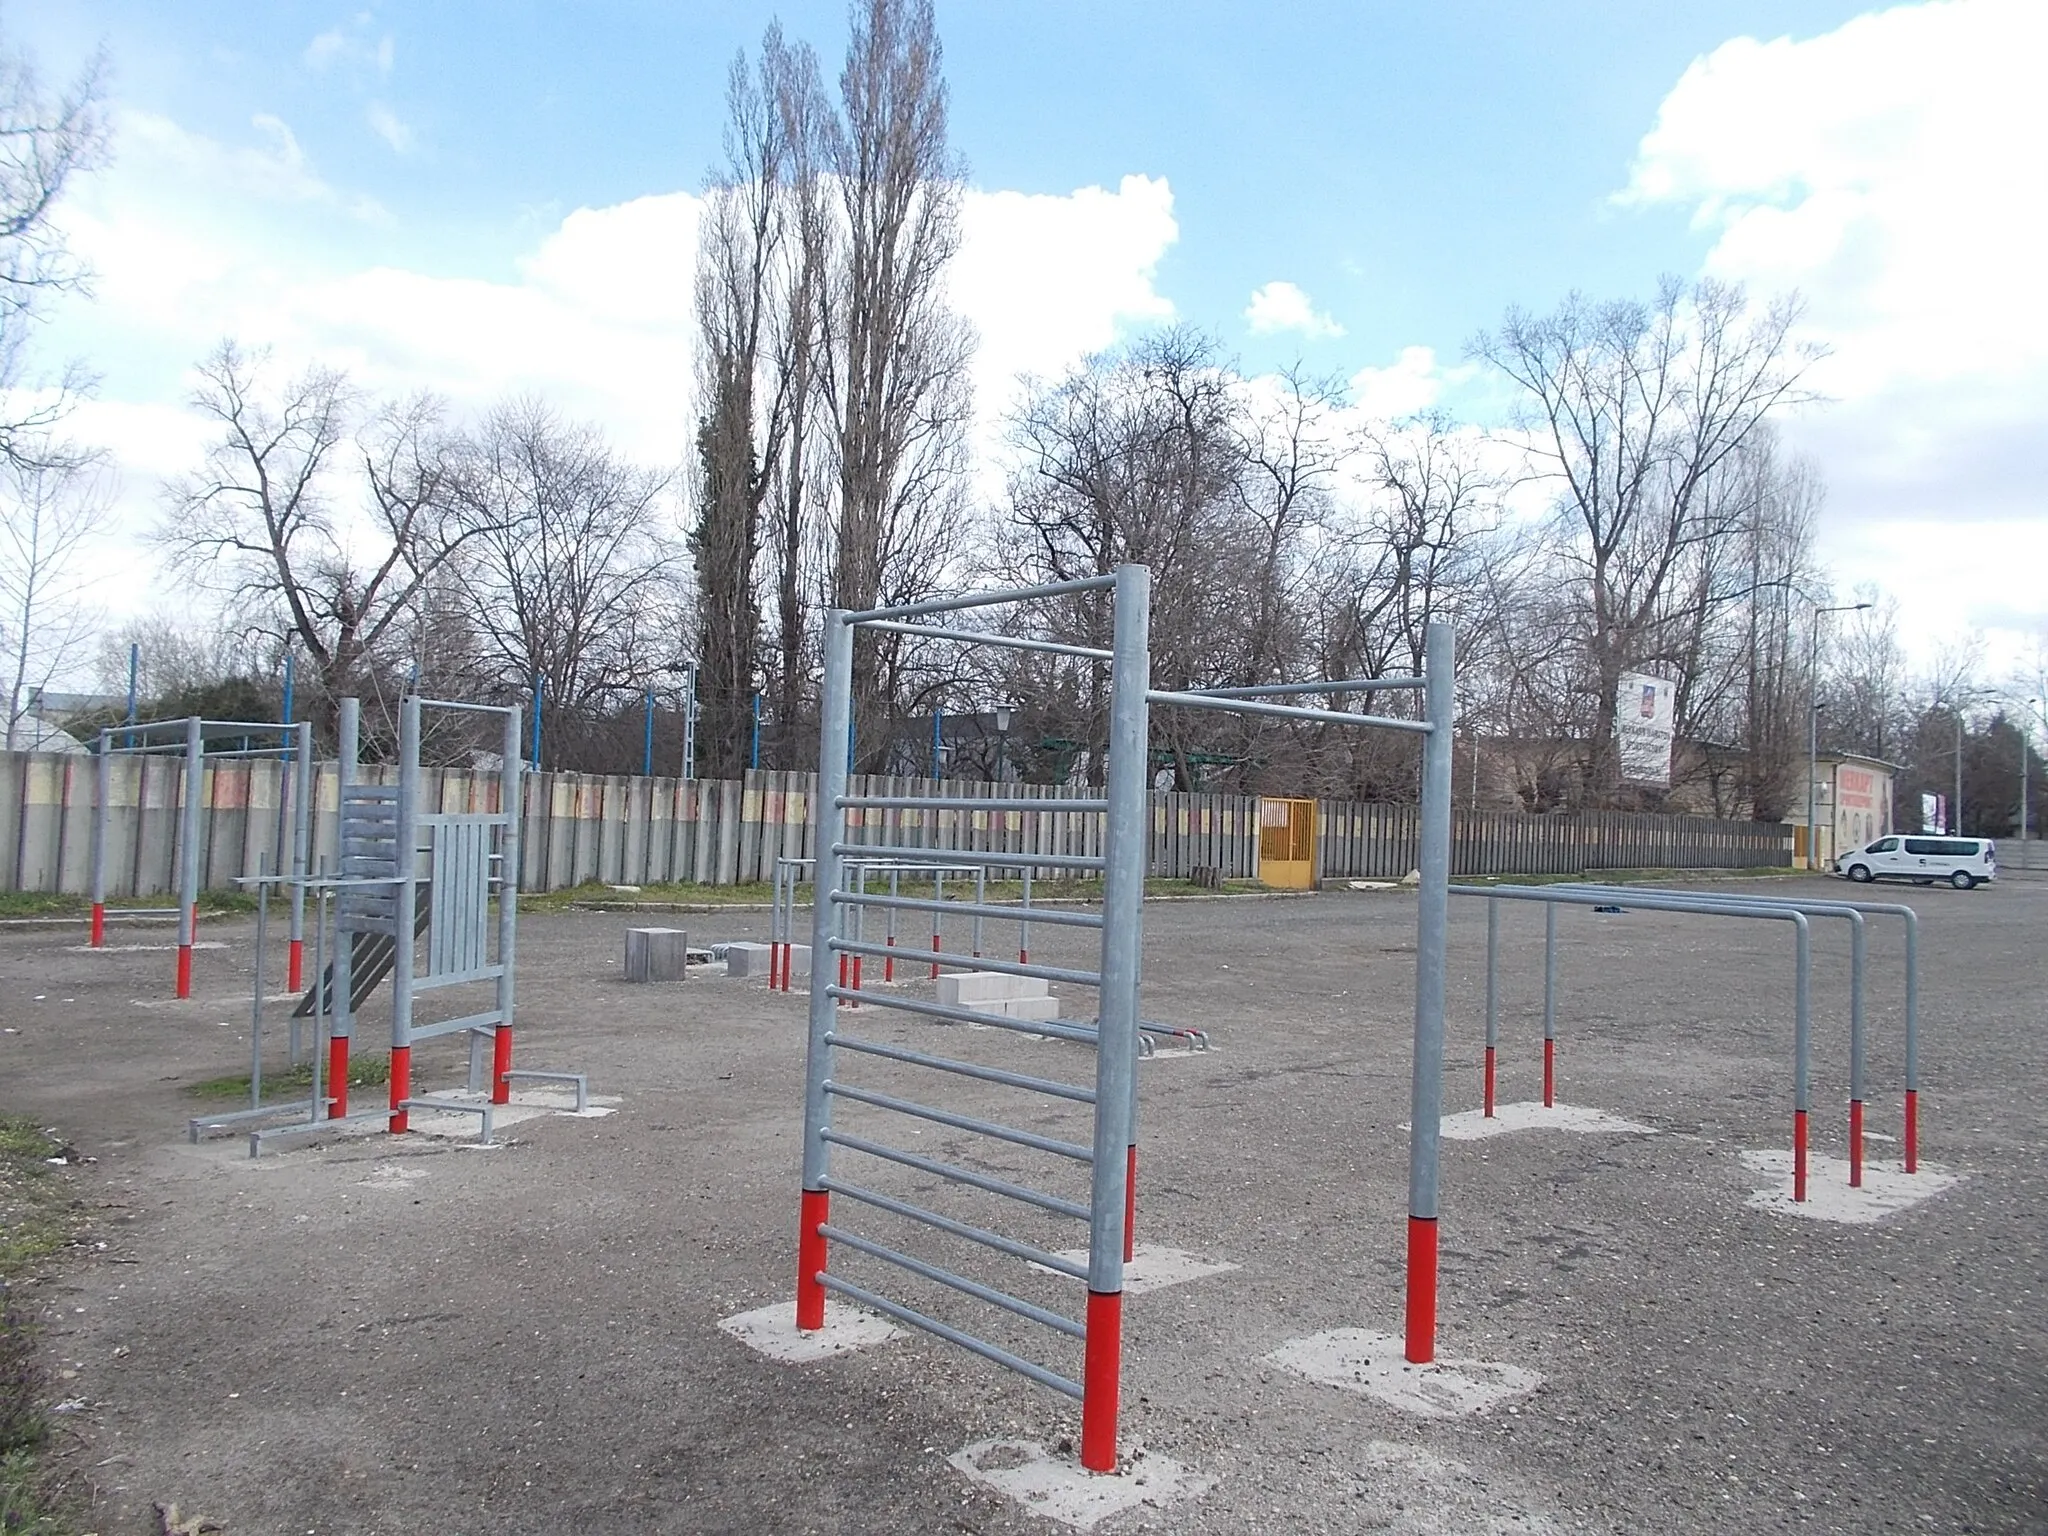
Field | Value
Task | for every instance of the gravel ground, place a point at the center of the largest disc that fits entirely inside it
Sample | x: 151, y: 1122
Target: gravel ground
x: 379, y: 1337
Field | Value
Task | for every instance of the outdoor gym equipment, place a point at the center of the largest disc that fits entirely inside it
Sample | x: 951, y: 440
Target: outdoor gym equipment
x: 188, y: 738
x: 1110, y: 1153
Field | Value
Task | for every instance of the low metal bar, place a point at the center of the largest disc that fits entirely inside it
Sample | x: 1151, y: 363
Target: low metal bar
x: 950, y: 1334
x: 489, y: 1020
x: 1045, y: 1085
x: 978, y: 963
x: 1005, y: 912
x: 995, y: 1130
x: 960, y: 1283
x: 1338, y: 685
x: 1024, y: 1194
x: 198, y: 1125
x: 979, y: 600
x: 1284, y: 711
x: 1029, y: 1253
x: 468, y: 708
x: 942, y: 858
x: 1053, y: 1028
x: 979, y: 637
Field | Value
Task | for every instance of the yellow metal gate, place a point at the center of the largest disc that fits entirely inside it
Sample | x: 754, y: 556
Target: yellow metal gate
x: 1287, y: 844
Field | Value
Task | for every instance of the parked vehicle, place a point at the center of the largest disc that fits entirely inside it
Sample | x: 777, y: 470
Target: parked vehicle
x: 1962, y: 861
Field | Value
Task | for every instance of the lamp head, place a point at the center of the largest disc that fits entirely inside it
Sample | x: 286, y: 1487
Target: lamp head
x: 1003, y: 713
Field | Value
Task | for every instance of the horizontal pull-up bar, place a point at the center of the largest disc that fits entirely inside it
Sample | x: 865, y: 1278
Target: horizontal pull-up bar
x: 1284, y: 711
x: 961, y: 803
x: 469, y: 709
x: 980, y: 600
x: 979, y: 637
x: 960, y: 858
x: 1334, y: 685
x: 1001, y: 913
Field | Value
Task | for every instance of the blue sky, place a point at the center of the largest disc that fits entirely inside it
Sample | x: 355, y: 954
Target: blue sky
x: 484, y: 197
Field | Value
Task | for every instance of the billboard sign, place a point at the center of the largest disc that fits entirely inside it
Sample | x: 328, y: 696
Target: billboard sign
x: 1643, y: 727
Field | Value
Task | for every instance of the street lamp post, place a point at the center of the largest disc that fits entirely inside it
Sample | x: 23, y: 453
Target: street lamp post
x: 1813, y: 726
x: 1955, y: 813
x: 2026, y: 729
x: 1003, y: 714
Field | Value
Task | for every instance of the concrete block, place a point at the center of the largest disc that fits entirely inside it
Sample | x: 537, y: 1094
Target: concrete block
x: 656, y: 954
x: 1032, y: 1008
x: 978, y: 989
x: 751, y: 960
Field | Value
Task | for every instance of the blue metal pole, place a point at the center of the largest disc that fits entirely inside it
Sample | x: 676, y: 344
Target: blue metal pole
x: 754, y: 754
x: 288, y: 678
x: 537, y: 696
x: 134, y: 666
x: 938, y: 736
x: 647, y: 749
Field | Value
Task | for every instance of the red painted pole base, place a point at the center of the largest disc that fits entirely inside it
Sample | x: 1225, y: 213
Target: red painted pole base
x: 337, y: 1075
x: 1549, y: 1073
x: 1912, y: 1130
x: 1855, y: 1143
x: 99, y: 925
x: 501, y: 1063
x: 889, y: 963
x: 195, y: 919
x: 295, y: 966
x: 856, y: 972
x: 935, y: 964
x: 1798, y: 1154
x: 184, y: 970
x: 401, y: 1086
x: 1489, y: 1082
x: 1101, y: 1373
x: 814, y: 1211
x: 1421, y: 1338
x: 1131, y: 1203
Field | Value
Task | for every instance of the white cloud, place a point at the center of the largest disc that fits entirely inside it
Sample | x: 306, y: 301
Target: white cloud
x: 1281, y: 306
x: 1413, y: 383
x: 1892, y: 170
x: 352, y: 46
x: 389, y: 127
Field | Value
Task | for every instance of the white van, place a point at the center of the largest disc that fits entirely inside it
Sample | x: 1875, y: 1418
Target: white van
x: 1961, y: 861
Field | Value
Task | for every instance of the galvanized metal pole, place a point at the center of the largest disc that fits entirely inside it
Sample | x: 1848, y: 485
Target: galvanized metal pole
x: 1912, y: 1042
x: 690, y: 722
x: 1116, y: 1045
x: 103, y: 792
x: 406, y: 909
x: 1549, y: 1006
x: 1492, y: 998
x: 302, y: 853
x: 647, y: 744
x: 1802, y: 1034
x: 1431, y: 929
x: 134, y: 667
x: 256, y: 1001
x: 342, y: 967
x: 188, y: 884
x: 835, y: 709
x: 512, y: 802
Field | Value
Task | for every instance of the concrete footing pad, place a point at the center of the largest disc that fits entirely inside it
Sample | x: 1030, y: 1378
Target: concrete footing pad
x: 772, y: 1331
x: 1887, y: 1187
x: 1473, y: 1124
x: 1154, y: 1269
x: 1061, y: 1489
x: 1359, y: 1360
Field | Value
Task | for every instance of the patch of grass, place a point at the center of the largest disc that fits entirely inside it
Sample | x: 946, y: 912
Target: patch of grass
x: 38, y: 904
x: 363, y: 1072
x: 1630, y: 876
x: 37, y: 1217
x: 592, y: 895
x: 43, y: 904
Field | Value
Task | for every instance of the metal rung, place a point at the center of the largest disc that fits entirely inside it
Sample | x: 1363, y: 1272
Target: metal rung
x: 981, y: 600
x: 453, y: 1026
x: 1050, y: 1028
x: 1037, y: 1314
x: 967, y: 962
x: 1001, y: 914
x: 1336, y: 685
x: 990, y: 1128
x: 960, y: 803
x: 1022, y: 1193
x: 966, y: 856
x: 952, y: 1335
x: 1000, y: 642
x: 1283, y: 711
x: 995, y: 1240
x: 1044, y: 1085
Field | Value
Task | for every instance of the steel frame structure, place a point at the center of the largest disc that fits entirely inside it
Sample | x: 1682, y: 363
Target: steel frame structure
x: 1110, y: 1154
x: 295, y: 797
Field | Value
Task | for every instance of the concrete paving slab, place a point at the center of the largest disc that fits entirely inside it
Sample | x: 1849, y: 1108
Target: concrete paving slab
x: 1473, y: 1125
x: 1887, y: 1187
x: 1060, y: 1489
x: 1359, y: 1360
x: 772, y: 1331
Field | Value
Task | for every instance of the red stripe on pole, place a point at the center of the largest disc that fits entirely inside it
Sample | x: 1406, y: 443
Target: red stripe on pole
x: 195, y: 919
x: 842, y: 980
x: 813, y: 1212
x: 935, y: 950
x: 1131, y: 1203
x: 889, y: 964
x: 1421, y: 1290
x: 1101, y: 1372
x: 1489, y: 1082
x: 184, y: 970
x: 295, y: 966
x: 401, y: 1086
x: 99, y: 924
x: 1023, y: 957
x: 856, y: 972
x: 1855, y: 1143
x: 1549, y: 1073
x: 1798, y: 1154
x: 337, y: 1075
x: 1912, y: 1130
x: 501, y: 1063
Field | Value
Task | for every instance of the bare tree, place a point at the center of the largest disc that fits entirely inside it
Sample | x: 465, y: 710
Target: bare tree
x: 261, y: 524
x: 51, y: 512
x: 1635, y: 408
x: 572, y: 578
x: 45, y: 141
